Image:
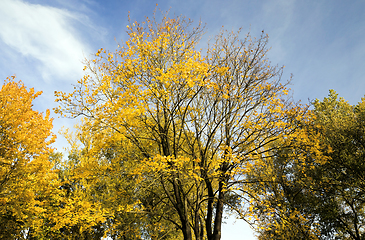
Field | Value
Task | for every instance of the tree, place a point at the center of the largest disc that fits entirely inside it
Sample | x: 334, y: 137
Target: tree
x: 25, y: 171
x: 98, y: 169
x: 311, y: 199
x: 34, y: 203
x: 282, y: 188
x: 342, y: 179
x: 74, y: 214
x: 196, y: 123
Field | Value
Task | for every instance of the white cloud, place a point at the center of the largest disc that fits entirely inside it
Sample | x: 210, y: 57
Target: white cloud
x: 45, y: 35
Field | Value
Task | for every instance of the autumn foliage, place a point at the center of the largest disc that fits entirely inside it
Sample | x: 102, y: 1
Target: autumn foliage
x: 25, y: 174
x: 192, y: 123
x: 171, y: 137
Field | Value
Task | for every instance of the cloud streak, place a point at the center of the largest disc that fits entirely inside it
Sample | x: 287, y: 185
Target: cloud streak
x: 45, y: 35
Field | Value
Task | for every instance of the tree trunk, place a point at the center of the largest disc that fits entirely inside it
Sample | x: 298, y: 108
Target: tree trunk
x: 217, y: 233
x: 181, y: 209
x: 209, y: 219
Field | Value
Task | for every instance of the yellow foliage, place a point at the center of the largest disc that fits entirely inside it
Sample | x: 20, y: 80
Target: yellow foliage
x: 192, y: 124
x: 25, y: 169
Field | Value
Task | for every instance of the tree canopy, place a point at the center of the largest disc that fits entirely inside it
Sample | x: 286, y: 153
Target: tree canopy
x: 25, y: 136
x: 197, y: 121
x: 170, y: 136
x: 318, y: 201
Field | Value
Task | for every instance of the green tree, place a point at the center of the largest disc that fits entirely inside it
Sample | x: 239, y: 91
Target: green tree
x: 280, y: 187
x: 310, y: 199
x: 342, y: 178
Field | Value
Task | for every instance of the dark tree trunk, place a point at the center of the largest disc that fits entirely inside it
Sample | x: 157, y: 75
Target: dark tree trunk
x: 217, y: 233
x: 181, y: 209
x: 209, y: 219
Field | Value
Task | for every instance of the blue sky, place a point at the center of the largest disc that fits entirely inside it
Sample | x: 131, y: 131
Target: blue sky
x: 321, y: 42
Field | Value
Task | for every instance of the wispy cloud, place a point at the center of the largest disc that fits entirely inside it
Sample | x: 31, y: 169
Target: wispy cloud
x: 45, y: 35
x: 45, y: 46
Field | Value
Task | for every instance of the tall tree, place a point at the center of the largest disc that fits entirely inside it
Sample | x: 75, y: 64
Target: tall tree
x: 34, y: 203
x: 25, y: 169
x: 196, y: 122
